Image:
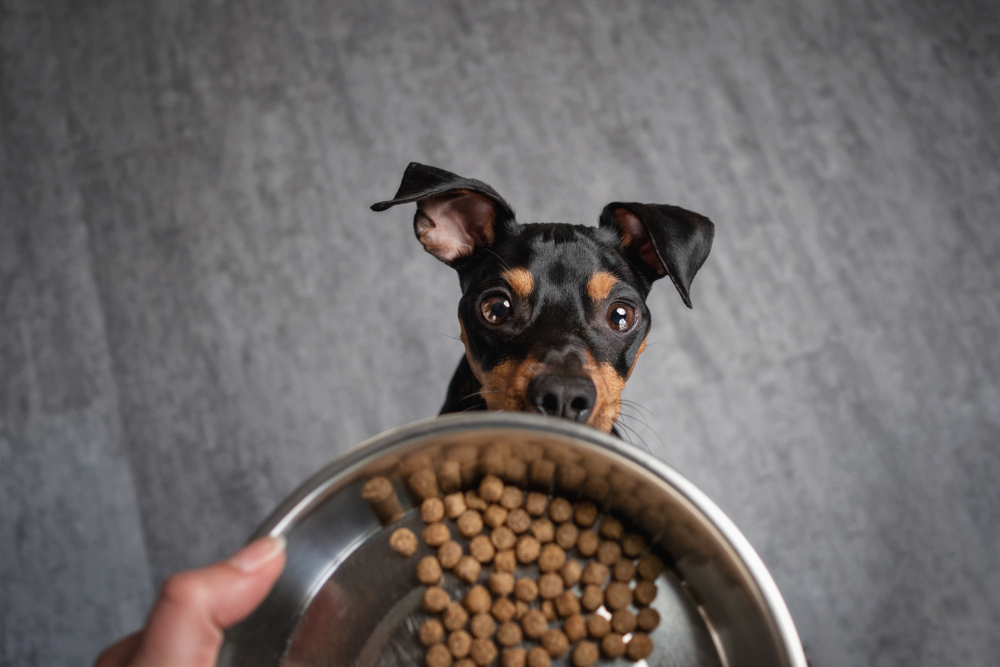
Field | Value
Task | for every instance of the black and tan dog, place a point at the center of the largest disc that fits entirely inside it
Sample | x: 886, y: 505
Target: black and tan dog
x: 553, y: 315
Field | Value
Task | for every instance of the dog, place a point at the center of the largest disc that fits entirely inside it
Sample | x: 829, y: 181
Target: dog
x: 553, y: 316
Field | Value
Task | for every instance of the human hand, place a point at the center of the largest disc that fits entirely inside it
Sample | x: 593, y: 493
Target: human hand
x: 185, y: 625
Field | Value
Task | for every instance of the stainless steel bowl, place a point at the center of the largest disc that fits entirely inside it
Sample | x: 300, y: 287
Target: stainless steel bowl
x: 346, y: 598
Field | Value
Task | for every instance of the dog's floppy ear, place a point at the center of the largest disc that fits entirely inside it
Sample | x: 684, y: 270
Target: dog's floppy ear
x: 662, y: 240
x: 454, y: 214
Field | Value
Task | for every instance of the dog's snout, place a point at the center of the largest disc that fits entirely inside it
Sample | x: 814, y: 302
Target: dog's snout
x: 571, y: 397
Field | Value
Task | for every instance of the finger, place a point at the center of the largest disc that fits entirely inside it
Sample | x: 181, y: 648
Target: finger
x: 121, y: 652
x: 186, y: 623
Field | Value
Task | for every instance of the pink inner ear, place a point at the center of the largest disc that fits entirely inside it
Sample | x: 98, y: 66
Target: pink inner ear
x: 635, y: 236
x: 454, y: 224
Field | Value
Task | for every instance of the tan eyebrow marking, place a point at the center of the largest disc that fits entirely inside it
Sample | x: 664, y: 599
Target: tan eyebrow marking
x: 600, y: 284
x: 520, y: 281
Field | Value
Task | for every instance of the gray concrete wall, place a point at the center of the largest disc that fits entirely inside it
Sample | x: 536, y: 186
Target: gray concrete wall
x: 198, y: 310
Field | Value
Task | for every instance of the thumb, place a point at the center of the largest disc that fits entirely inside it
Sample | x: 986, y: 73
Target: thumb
x: 186, y: 624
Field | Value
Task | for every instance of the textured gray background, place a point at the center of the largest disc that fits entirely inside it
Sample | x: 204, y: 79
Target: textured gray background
x: 197, y: 308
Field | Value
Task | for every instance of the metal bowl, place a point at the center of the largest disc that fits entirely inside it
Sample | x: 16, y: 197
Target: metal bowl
x: 345, y: 598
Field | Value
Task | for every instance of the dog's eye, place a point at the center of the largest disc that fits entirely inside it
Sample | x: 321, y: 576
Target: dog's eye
x: 495, y: 309
x: 621, y: 316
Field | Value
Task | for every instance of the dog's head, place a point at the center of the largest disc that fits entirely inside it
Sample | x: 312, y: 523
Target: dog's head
x: 553, y: 316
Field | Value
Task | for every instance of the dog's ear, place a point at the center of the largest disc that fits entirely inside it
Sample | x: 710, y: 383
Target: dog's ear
x: 662, y: 240
x: 454, y: 215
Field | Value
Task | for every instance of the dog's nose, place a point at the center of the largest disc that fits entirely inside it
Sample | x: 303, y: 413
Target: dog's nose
x: 570, y: 397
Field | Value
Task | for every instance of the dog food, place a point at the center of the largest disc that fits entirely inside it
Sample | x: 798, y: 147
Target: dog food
x: 585, y: 563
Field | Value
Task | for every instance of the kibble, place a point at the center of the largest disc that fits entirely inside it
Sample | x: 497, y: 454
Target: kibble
x: 542, y: 473
x: 515, y: 656
x: 424, y: 483
x: 609, y: 552
x: 503, y: 609
x: 611, y: 528
x: 587, y: 543
x: 483, y: 651
x: 436, y: 534
x: 459, y: 643
x: 429, y: 570
x: 551, y: 558
x: 403, y: 542
x: 436, y: 599
x: 449, y: 476
x: 566, y: 535
x: 585, y: 654
x: 454, y: 616
x: 512, y: 497
x: 505, y: 561
x: 518, y: 520
x: 571, y: 572
x: 482, y: 625
x: 549, y: 611
x: 503, y: 538
x: 598, y: 627
x: 595, y: 573
x: 491, y: 488
x: 647, y: 619
x: 624, y: 570
x: 477, y: 600
x: 501, y: 583
x: 382, y: 497
x: 474, y: 502
x: 644, y: 593
x: 509, y: 634
x: 633, y: 545
x: 639, y: 647
x: 567, y: 604
x: 526, y: 589
x: 467, y: 569
x: 522, y: 609
x: 432, y: 510
x: 536, y: 503
x: 534, y: 624
x: 449, y: 554
x: 431, y: 632
x: 539, y: 657
x: 438, y: 656
x: 495, y: 515
x: 585, y: 514
x: 617, y: 595
x: 612, y: 646
x: 465, y: 662
x: 650, y: 566
x: 527, y: 549
x: 555, y: 642
x: 592, y: 597
x: 550, y: 585
x: 470, y: 523
x: 560, y: 510
x: 481, y: 549
x: 575, y: 628
x: 543, y: 530
x: 454, y: 505
x: 623, y: 621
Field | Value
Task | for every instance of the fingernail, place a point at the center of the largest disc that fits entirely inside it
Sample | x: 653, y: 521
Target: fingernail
x: 258, y: 553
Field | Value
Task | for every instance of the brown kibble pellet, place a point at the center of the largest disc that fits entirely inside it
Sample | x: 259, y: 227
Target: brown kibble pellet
x: 494, y: 516
x: 527, y: 549
x: 512, y: 497
x: 474, y: 502
x: 465, y: 662
x: 483, y: 651
x: 609, y: 552
x: 617, y: 595
x: 491, y: 462
x: 633, y: 545
x: 403, y: 542
x: 567, y: 604
x: 585, y: 514
x: 454, y: 505
x: 551, y: 558
x: 449, y: 476
x: 639, y: 647
x: 536, y: 503
x: 644, y: 593
x: 501, y: 583
x: 543, y: 530
x: 468, y: 569
x: 598, y: 627
x: 522, y: 609
x: 509, y: 634
x: 534, y: 624
x: 455, y: 617
x: 624, y: 570
x: 477, y: 599
x: 482, y: 625
x: 514, y: 656
x: 611, y: 528
x: 459, y: 643
x: 575, y: 628
x: 482, y: 549
x: 380, y: 494
x: 549, y: 611
x: 436, y: 600
x: 431, y: 632
x: 612, y: 646
x: 647, y: 619
x: 428, y: 570
x: 623, y: 621
x: 550, y: 585
x: 585, y: 654
x: 570, y: 477
x: 432, y: 510
x: 491, y: 488
x: 503, y: 609
x: 438, y: 656
x: 539, y: 657
x: 449, y: 554
x: 518, y: 520
x: 560, y: 510
x: 505, y: 561
x: 592, y: 597
x: 650, y: 566
x: 587, y: 543
x: 595, y: 573
x: 566, y: 535
x: 571, y: 572
x: 424, y: 483
x: 503, y: 538
x: 555, y: 642
x: 470, y: 523
x: 526, y: 589
x: 436, y: 534
x: 542, y: 473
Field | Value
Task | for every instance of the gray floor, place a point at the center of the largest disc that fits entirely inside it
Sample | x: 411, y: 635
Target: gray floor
x: 197, y: 308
